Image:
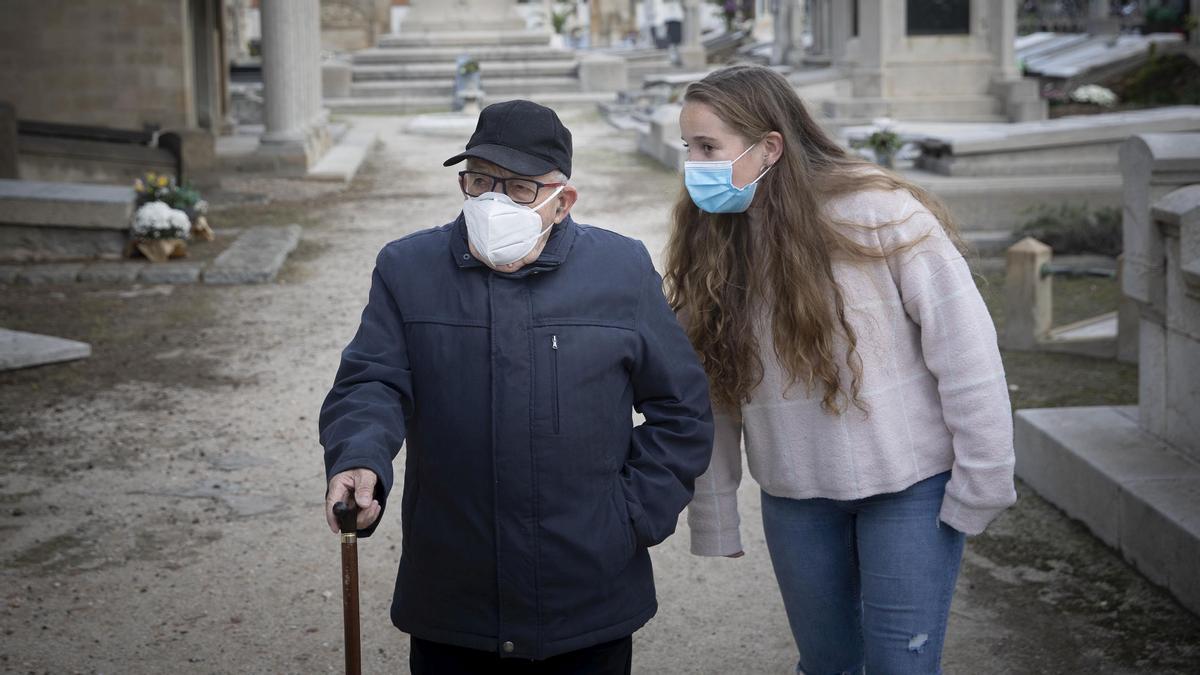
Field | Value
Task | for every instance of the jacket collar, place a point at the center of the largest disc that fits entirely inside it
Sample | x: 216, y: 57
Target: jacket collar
x: 562, y: 238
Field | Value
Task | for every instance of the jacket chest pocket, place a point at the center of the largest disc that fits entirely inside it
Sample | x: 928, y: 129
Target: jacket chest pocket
x: 581, y: 379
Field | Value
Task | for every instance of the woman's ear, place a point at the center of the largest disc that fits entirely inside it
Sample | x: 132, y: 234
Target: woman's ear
x: 772, y: 145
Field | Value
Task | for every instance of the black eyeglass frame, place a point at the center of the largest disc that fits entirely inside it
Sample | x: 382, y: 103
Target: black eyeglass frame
x: 497, y: 180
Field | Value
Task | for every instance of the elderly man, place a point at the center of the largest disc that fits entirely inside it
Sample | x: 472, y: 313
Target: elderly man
x: 508, y: 349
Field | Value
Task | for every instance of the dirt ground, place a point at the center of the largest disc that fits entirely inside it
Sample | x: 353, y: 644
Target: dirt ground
x: 160, y: 502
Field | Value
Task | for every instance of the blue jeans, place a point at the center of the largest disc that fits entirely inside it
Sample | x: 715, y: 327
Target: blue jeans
x: 867, y: 582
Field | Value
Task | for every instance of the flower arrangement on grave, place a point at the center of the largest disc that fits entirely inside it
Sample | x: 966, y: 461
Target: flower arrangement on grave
x: 469, y: 66
x: 162, y: 188
x: 884, y: 142
x: 1095, y: 95
x: 160, y: 232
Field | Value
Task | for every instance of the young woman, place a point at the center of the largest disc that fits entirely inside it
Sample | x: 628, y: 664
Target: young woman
x: 845, y: 341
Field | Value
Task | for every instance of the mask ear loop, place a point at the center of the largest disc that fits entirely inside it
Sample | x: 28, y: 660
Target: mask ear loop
x: 544, y: 202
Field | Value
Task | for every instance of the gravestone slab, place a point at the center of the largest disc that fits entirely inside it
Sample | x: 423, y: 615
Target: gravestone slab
x: 255, y: 257
x: 23, y: 350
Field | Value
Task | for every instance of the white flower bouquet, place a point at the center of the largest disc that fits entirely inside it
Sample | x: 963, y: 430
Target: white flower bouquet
x: 1094, y: 94
x: 159, y: 232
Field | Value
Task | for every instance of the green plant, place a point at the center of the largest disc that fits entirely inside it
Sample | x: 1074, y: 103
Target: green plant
x: 1073, y: 229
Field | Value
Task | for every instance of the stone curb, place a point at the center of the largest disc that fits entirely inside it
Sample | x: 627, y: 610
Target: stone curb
x: 256, y: 256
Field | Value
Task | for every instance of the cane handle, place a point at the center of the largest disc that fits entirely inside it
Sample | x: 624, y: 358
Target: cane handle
x: 347, y: 516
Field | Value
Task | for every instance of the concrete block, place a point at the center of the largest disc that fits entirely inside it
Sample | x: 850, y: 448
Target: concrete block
x: 602, y: 72
x: 25, y: 202
x: 254, y: 257
x: 66, y: 273
x: 1133, y: 491
x: 336, y: 77
x: 171, y: 272
x: 23, y: 350
x: 125, y: 272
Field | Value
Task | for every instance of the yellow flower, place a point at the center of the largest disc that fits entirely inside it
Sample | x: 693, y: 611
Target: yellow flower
x: 150, y: 176
x: 162, y: 181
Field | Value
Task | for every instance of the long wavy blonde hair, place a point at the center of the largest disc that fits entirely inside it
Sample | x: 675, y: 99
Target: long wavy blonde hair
x: 718, y: 279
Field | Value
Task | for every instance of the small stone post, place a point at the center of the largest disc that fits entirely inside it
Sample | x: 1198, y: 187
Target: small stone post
x: 1027, y: 295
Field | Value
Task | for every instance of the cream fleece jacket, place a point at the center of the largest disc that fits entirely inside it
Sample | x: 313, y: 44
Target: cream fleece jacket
x: 932, y: 381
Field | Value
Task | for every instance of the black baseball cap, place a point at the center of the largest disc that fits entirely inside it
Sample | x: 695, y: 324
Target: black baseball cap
x: 526, y: 138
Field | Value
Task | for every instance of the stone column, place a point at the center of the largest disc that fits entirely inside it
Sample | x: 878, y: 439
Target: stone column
x: 873, y: 23
x: 789, y: 30
x: 1194, y: 38
x: 291, y: 38
x: 839, y: 21
x: 1100, y: 20
x: 432, y: 16
x: 1002, y: 32
x: 691, y: 52
x: 8, y: 140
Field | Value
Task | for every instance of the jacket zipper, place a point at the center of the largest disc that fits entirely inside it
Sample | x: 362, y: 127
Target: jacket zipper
x: 554, y: 369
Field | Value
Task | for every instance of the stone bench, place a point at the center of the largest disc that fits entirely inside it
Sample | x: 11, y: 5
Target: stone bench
x: 42, y: 220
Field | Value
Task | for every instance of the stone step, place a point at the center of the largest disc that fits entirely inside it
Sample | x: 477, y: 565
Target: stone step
x: 464, y: 39
x: 450, y: 54
x: 402, y: 105
x: 29, y: 202
x: 1131, y: 490
x: 446, y: 70
x: 495, y: 86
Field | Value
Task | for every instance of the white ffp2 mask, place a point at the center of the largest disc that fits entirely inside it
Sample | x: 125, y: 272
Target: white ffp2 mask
x: 501, y: 230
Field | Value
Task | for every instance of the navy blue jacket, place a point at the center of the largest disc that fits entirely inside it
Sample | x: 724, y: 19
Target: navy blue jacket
x: 530, y: 498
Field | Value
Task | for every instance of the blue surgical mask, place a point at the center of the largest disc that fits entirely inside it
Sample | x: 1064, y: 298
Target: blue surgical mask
x: 711, y: 185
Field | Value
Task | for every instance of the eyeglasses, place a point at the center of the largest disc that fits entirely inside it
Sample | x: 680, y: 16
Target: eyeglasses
x: 520, y: 190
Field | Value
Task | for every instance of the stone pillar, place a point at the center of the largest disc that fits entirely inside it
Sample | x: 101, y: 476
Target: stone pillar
x: 691, y: 52
x: 1002, y: 32
x: 291, y: 38
x: 874, y: 23
x: 1194, y: 37
x: 788, y: 47
x: 8, y: 140
x: 840, y: 22
x: 432, y: 16
x: 1027, y: 295
x: 1100, y: 20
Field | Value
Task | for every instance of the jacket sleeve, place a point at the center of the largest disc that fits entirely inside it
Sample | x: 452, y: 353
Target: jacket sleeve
x: 674, y: 443
x: 958, y: 341
x: 713, y: 514
x: 362, y: 419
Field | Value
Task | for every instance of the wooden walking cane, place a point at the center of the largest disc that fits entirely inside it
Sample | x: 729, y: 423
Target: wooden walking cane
x: 347, y: 515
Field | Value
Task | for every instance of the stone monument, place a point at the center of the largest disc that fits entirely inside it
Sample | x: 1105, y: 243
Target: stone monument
x: 947, y: 60
x: 437, y: 16
x: 1132, y: 475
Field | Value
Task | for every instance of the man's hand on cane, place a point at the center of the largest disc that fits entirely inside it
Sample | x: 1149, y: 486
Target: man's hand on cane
x: 361, y: 484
